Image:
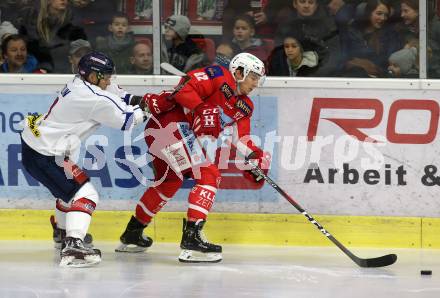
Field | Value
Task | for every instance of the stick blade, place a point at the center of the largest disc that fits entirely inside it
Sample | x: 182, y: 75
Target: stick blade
x: 378, y: 262
x: 171, y: 69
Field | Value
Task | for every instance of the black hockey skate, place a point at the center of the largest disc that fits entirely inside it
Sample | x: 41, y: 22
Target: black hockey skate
x: 133, y: 240
x: 195, y: 247
x: 74, y: 254
x: 60, y: 234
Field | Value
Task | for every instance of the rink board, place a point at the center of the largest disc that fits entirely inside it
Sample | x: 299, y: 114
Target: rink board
x: 319, y: 125
x: 264, y: 229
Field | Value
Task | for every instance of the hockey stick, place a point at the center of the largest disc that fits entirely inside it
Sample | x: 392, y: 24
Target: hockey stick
x: 171, y: 69
x: 372, y: 262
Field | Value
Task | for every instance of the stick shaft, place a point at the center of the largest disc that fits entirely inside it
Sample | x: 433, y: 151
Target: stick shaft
x: 374, y: 262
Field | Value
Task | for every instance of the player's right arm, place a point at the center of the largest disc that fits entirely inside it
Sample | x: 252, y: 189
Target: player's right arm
x: 109, y: 110
x: 150, y: 102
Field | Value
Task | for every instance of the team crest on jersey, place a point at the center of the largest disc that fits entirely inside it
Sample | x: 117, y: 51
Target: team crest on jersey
x: 243, y: 107
x: 227, y: 90
x: 214, y: 71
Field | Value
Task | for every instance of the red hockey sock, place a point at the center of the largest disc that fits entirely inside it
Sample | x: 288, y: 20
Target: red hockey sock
x: 201, y: 198
x: 150, y: 203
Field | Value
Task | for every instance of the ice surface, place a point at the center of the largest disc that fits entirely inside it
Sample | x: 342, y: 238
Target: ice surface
x: 30, y: 269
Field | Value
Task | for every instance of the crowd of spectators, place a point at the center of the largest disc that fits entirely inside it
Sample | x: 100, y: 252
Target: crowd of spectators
x: 317, y: 38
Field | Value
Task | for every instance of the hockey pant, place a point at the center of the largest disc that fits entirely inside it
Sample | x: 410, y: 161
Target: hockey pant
x: 76, y: 196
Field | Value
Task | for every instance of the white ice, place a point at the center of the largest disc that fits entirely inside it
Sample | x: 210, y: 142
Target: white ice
x: 30, y: 269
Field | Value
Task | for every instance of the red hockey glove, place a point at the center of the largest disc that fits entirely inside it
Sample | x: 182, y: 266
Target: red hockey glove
x: 206, y: 120
x: 158, y: 103
x: 262, y: 159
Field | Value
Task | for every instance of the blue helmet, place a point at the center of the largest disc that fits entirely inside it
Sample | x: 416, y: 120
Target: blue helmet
x: 97, y: 62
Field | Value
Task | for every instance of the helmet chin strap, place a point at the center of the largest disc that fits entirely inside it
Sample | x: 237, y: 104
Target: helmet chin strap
x: 99, y: 77
x: 238, y: 83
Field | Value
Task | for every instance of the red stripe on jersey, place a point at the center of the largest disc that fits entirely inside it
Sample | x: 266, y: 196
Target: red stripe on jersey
x: 51, y: 107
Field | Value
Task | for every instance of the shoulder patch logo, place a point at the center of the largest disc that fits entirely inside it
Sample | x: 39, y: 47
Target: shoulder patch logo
x: 227, y: 90
x: 214, y: 71
x: 243, y: 106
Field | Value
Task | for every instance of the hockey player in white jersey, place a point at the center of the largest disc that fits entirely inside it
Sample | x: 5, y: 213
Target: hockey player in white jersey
x: 49, y: 140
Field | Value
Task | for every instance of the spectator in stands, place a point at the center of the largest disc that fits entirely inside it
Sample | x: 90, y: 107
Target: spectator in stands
x: 264, y: 12
x: 404, y: 63
x: 182, y: 52
x: 294, y: 58
x: 310, y: 19
x: 50, y: 30
x: 408, y: 28
x: 141, y: 60
x: 342, y: 11
x: 370, y: 41
x: 78, y: 48
x: 6, y: 29
x: 224, y: 54
x: 244, y: 39
x: 434, y: 45
x: 119, y: 43
x: 10, y: 10
x: 93, y: 16
x: 309, y: 14
x: 16, y: 58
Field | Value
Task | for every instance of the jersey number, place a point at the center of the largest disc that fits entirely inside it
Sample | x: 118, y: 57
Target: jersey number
x: 201, y: 76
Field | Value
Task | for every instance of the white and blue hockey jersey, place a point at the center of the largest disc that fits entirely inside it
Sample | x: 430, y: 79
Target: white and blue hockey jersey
x: 77, y: 112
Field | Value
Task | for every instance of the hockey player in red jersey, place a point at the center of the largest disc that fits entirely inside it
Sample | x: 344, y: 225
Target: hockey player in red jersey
x: 208, y: 100
x: 49, y: 141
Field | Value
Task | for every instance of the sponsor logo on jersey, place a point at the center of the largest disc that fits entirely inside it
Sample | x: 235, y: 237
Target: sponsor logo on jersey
x: 155, y: 105
x: 227, y: 91
x: 243, y: 106
x: 187, y: 134
x: 227, y: 104
x: 214, y: 71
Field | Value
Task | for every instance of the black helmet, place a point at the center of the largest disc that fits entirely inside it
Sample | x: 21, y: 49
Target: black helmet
x: 95, y: 61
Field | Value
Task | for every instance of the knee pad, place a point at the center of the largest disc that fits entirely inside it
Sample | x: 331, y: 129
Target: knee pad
x: 210, y: 175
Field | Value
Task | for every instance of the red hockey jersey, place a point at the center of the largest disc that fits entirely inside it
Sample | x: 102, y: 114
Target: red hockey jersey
x: 216, y: 85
